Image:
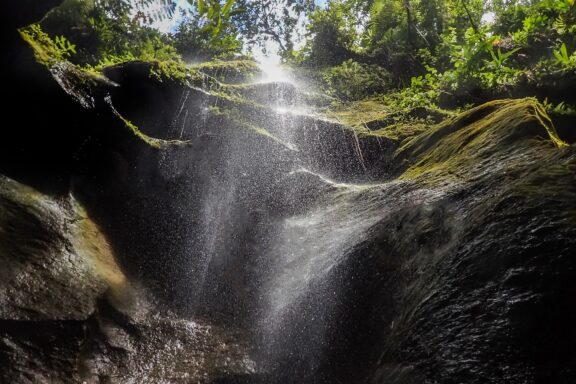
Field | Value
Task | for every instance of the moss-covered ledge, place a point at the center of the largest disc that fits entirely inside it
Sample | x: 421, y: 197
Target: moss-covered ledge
x: 480, y: 140
x: 90, y: 87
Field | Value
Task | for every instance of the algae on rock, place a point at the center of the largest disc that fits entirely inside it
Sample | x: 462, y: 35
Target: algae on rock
x: 460, y: 148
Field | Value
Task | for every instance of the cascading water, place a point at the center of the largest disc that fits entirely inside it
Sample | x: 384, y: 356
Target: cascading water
x: 269, y: 231
x: 257, y: 217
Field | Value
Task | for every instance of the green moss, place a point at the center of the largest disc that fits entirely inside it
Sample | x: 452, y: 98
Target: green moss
x: 545, y: 120
x: 236, y: 117
x: 207, y: 75
x: 231, y: 97
x: 245, y: 65
x: 45, y: 49
x: 450, y: 151
x: 377, y: 118
x: 242, y: 70
x: 151, y: 141
x: 399, y: 131
x: 82, y: 83
x: 173, y: 70
x: 358, y: 114
x: 49, y: 54
x: 77, y: 81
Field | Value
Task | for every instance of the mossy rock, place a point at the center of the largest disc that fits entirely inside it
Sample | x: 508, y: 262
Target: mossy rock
x: 459, y: 149
x: 230, y: 71
x: 373, y: 117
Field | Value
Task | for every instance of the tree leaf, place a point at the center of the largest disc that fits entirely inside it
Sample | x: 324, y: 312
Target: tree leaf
x: 201, y: 6
x: 558, y: 56
x: 564, y: 51
x: 228, y: 6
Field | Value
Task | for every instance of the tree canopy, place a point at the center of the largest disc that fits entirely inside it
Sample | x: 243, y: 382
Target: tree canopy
x: 435, y: 49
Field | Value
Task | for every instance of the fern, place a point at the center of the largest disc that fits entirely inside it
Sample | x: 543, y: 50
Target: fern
x: 65, y: 47
x: 562, y: 56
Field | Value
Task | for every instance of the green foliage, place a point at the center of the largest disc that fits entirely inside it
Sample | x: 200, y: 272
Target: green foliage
x: 153, y: 49
x: 331, y: 35
x: 257, y: 21
x: 106, y: 32
x: 563, y: 58
x: 65, y: 47
x: 561, y: 108
x: 354, y: 81
x: 213, y: 11
x: 149, y: 11
x: 216, y: 13
x: 261, y: 22
x: 495, y: 72
x: 423, y: 91
x: 443, y: 49
x: 519, y: 45
x: 412, y: 53
x: 479, y: 62
x: 195, y: 39
x: 47, y: 50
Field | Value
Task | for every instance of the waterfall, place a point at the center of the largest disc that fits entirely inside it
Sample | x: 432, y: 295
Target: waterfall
x: 270, y: 224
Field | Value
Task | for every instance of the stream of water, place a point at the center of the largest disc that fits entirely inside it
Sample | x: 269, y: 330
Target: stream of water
x: 271, y: 233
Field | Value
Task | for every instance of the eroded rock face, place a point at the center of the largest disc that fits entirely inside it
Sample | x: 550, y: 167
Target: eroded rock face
x: 464, y: 273
x: 68, y: 315
x: 161, y: 348
x: 476, y: 286
x: 110, y: 347
x: 459, y: 269
x: 49, y: 249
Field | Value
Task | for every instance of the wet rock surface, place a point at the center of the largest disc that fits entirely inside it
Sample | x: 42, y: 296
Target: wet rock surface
x: 477, y: 286
x: 68, y: 316
x: 159, y: 349
x: 50, y: 249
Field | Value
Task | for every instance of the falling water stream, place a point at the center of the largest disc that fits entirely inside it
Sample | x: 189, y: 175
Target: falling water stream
x: 271, y: 233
